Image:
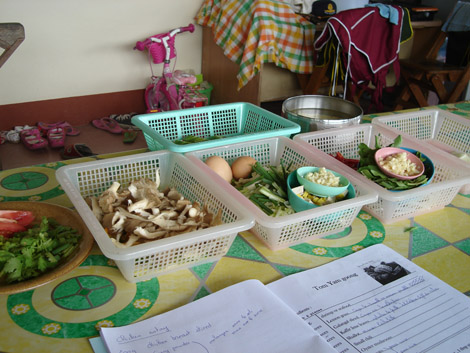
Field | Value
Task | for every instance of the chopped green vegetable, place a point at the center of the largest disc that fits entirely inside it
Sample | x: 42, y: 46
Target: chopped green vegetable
x: 410, y: 229
x: 42, y: 247
x: 193, y: 139
x: 267, y: 189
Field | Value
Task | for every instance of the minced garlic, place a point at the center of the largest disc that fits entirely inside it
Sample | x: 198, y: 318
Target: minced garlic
x: 323, y: 177
x: 398, y: 163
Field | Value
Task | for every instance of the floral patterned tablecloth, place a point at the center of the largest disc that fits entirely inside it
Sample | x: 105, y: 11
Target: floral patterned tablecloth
x: 61, y: 316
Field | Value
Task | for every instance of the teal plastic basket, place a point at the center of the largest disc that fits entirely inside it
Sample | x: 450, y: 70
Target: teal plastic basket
x: 235, y: 122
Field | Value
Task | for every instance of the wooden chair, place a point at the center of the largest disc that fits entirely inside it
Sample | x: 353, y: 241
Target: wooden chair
x: 431, y: 75
x: 11, y: 36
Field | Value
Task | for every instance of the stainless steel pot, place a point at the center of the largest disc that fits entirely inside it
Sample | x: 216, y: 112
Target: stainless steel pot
x: 316, y: 112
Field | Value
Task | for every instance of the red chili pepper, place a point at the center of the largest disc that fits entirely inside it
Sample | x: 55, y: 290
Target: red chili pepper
x: 350, y: 162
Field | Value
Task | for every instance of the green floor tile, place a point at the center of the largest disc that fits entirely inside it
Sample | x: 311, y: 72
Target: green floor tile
x: 425, y: 241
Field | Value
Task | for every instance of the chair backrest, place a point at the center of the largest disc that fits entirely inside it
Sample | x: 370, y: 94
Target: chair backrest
x: 434, y: 50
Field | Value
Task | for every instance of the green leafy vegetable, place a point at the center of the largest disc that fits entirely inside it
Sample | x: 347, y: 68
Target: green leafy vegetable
x: 42, y: 247
x: 367, y: 154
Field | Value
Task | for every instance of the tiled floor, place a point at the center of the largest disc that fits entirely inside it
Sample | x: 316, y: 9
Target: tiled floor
x: 100, y: 142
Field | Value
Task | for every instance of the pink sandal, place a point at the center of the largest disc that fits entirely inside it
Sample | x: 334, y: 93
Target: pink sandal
x: 69, y: 129
x: 56, y: 137
x: 108, y: 124
x: 32, y: 139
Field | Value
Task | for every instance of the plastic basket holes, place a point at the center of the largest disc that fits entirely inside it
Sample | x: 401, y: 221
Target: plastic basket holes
x: 195, y: 125
x: 224, y: 122
x: 455, y: 134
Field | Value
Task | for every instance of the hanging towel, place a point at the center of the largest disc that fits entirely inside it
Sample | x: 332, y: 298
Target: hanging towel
x: 387, y: 11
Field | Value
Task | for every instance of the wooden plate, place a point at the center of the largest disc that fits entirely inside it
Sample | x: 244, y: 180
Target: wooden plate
x: 65, y: 217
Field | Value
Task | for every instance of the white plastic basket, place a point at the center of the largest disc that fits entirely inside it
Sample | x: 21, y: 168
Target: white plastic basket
x: 148, y: 260
x: 284, y: 231
x: 393, y: 206
x: 447, y: 131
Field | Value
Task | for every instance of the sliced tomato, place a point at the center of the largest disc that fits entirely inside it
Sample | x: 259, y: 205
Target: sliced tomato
x: 7, y: 229
x: 23, y: 218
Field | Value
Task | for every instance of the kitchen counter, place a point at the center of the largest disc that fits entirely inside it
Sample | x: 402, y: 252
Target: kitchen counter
x: 45, y: 320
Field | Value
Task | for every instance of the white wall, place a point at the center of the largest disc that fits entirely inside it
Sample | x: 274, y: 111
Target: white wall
x: 82, y: 47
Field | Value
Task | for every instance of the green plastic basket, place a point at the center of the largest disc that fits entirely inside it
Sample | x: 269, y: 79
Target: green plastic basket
x: 235, y: 122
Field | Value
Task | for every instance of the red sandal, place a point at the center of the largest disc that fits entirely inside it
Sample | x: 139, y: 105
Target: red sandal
x: 32, y: 139
x: 76, y: 150
x: 56, y: 137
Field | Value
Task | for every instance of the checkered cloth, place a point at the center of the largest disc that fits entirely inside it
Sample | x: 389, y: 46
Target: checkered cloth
x: 255, y: 32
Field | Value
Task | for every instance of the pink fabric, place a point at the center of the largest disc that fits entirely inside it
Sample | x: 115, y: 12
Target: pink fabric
x: 369, y: 45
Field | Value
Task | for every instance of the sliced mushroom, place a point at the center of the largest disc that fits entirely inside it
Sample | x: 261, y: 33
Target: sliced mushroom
x: 107, y: 199
x: 147, y: 235
x: 142, y: 213
x: 131, y: 241
x: 96, y: 209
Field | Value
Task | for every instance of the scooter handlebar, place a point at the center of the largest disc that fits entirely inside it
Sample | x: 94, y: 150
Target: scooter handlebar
x: 142, y: 45
x: 189, y: 28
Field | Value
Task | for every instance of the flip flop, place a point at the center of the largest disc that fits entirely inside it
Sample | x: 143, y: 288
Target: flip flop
x: 56, y: 137
x: 130, y: 136
x: 77, y: 150
x: 107, y: 124
x: 69, y: 129
x: 32, y: 139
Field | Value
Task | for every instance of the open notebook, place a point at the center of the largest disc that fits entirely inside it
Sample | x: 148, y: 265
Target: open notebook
x: 374, y: 300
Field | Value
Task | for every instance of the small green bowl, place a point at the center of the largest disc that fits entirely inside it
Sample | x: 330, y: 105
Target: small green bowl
x: 318, y: 189
x: 298, y: 203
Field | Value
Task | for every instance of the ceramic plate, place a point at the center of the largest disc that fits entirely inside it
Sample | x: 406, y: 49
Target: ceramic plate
x: 65, y: 217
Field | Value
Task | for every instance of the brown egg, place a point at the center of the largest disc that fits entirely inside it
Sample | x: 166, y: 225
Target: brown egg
x: 242, y: 167
x: 220, y: 166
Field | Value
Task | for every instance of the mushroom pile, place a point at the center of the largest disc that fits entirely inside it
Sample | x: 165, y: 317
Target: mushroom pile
x: 141, y: 213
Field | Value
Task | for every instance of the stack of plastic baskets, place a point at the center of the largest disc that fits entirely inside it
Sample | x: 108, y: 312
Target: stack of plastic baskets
x: 150, y: 259
x: 284, y: 231
x: 230, y: 123
x: 444, y: 130
x: 393, y: 206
